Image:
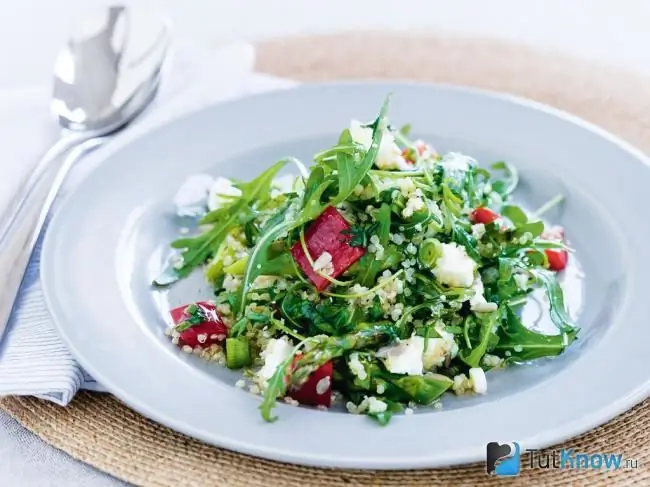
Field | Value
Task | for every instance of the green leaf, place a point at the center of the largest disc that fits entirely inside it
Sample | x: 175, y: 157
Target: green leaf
x: 557, y: 309
x: 382, y: 418
x: 535, y: 228
x: 509, y: 183
x: 260, y: 187
x: 468, y: 241
x: 350, y: 171
x: 522, y: 344
x: 276, y: 388
x: 487, y: 322
x: 199, y: 249
x: 383, y: 232
x: 282, y: 265
x: 424, y: 389
x: 515, y: 214
x: 256, y: 261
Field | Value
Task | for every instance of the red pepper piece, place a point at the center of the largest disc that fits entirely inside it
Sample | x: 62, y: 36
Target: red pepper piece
x: 557, y: 259
x: 325, y: 234
x: 211, y: 331
x: 317, y: 391
x: 409, y: 154
x: 484, y: 215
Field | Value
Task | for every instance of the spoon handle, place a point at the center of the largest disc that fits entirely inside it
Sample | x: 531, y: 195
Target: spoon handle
x: 25, y: 215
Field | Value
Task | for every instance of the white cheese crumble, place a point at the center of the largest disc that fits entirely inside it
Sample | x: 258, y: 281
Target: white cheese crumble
x: 454, y: 267
x: 456, y: 162
x: 389, y: 155
x: 477, y: 302
x: 277, y: 350
x: 324, y: 264
x: 192, y: 194
x: 413, y: 205
x: 221, y: 193
x: 521, y: 280
x: 462, y: 385
x: 376, y: 405
x: 231, y: 283
x: 404, y: 357
x: 492, y: 360
x: 376, y: 247
x: 356, y: 367
x: 478, y: 380
x: 478, y: 230
x: 438, y: 349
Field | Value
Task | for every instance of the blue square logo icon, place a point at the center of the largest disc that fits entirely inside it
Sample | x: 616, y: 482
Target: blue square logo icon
x: 503, y: 460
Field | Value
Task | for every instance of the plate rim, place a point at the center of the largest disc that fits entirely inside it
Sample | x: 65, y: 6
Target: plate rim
x: 569, y: 430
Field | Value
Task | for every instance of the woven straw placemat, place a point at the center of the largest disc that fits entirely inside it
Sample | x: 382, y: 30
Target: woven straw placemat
x: 99, y: 430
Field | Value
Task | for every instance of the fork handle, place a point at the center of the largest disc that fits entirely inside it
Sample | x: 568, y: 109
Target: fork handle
x: 24, y: 217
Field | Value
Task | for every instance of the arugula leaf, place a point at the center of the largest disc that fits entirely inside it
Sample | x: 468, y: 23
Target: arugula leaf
x: 522, y: 344
x: 350, y: 171
x: 275, y: 388
x: 257, y: 189
x: 557, y: 310
x: 468, y: 241
x: 256, y: 261
x: 198, y: 249
x: 535, y: 228
x: 360, y: 234
x: 510, y: 182
x: 374, y: 266
x: 424, y: 389
x: 515, y: 214
x: 487, y: 322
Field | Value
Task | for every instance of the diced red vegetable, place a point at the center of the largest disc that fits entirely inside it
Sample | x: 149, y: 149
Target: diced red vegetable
x: 317, y: 391
x: 484, y: 215
x: 208, y: 332
x: 326, y: 234
x: 557, y: 259
x: 409, y: 154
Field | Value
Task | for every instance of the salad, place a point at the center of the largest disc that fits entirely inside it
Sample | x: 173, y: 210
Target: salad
x: 383, y: 277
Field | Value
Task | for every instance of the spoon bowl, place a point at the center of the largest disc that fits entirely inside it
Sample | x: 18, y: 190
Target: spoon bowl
x: 104, y: 77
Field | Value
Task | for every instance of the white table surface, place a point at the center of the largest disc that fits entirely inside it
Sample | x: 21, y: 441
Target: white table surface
x: 615, y: 32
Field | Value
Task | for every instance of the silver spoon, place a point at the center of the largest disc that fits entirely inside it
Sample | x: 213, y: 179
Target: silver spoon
x: 104, y: 77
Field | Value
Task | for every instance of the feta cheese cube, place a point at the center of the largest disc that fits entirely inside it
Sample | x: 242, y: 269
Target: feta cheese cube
x: 221, y: 193
x: 404, y: 357
x: 276, y: 351
x: 477, y: 302
x: 478, y: 380
x: 454, y: 267
x: 438, y: 349
x: 478, y: 231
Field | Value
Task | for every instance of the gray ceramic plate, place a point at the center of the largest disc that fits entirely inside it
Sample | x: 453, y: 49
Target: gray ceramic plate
x: 109, y: 239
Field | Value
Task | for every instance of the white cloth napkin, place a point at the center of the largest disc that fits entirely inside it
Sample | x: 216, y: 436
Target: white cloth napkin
x: 33, y: 360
